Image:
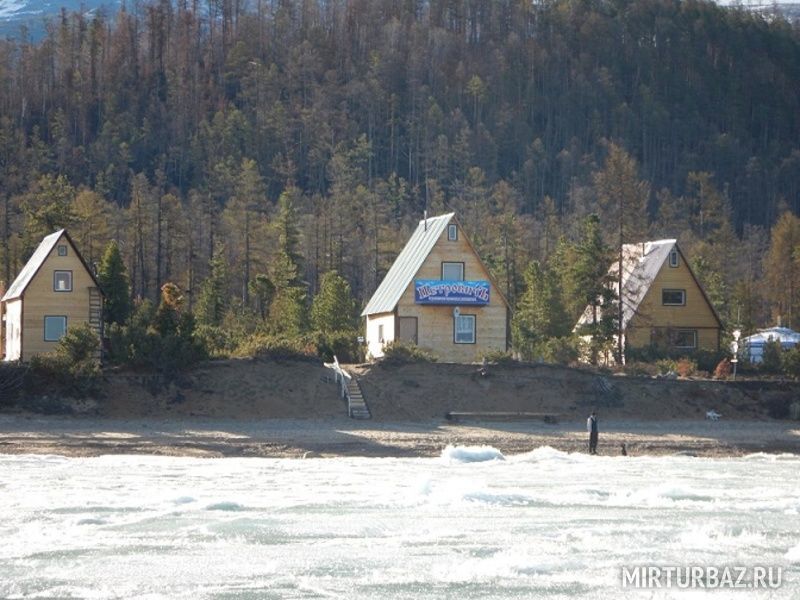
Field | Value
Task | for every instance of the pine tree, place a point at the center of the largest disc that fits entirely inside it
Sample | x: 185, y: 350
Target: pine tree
x: 213, y: 300
x: 782, y: 269
x: 334, y: 308
x: 540, y: 314
x: 589, y: 277
x: 113, y: 279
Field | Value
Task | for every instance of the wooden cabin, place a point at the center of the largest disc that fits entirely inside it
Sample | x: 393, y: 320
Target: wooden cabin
x: 663, y: 303
x: 438, y: 295
x: 54, y: 291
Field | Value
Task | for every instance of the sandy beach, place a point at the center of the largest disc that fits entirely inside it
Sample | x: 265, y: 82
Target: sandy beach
x: 72, y: 436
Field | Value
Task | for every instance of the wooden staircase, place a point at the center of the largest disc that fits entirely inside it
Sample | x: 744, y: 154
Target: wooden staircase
x: 350, y: 392
x: 356, y: 405
x: 96, y: 316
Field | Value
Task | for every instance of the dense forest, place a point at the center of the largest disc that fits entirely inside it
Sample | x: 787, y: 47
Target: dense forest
x: 248, y: 147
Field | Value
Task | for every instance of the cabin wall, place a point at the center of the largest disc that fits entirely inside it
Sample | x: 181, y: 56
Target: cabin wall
x: 435, y: 324
x: 13, y: 329
x: 374, y: 343
x: 41, y: 300
x: 696, y: 314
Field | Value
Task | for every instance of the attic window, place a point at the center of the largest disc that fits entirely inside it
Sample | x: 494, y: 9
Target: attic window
x: 673, y: 297
x: 62, y: 281
x: 62, y: 250
x: 673, y: 258
x: 452, y: 233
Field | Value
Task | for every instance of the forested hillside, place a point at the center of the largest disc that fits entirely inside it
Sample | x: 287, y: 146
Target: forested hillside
x: 175, y: 129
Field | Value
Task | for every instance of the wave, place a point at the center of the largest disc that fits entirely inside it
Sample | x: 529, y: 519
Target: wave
x: 226, y: 506
x: 469, y: 454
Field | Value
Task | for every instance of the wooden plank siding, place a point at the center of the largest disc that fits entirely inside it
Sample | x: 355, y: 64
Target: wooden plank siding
x: 435, y: 324
x: 40, y: 299
x: 696, y: 314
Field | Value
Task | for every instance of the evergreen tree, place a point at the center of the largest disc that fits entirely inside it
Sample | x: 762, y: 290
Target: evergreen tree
x: 334, y: 308
x: 589, y: 276
x: 782, y: 270
x: 113, y: 279
x: 539, y: 315
x: 213, y: 300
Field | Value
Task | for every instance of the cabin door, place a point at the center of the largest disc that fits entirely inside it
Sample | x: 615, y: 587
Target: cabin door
x: 407, y: 329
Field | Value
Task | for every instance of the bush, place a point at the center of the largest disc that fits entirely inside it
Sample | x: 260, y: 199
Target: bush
x: 498, y: 357
x: 723, y: 369
x: 771, y: 357
x: 685, y: 367
x: 790, y: 362
x: 641, y: 369
x: 342, y: 344
x: 401, y: 353
x: 72, y: 368
x: 265, y: 346
x: 562, y: 351
x: 666, y: 366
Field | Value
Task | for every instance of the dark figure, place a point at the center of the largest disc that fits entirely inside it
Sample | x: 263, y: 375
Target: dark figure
x: 624, y: 449
x: 591, y: 427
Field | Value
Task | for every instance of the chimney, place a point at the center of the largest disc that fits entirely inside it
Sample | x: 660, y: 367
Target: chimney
x: 425, y: 219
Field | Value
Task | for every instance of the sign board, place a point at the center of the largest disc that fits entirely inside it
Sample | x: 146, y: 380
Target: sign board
x: 436, y: 291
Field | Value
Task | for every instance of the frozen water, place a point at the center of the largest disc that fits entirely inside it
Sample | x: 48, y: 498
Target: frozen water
x: 540, y: 525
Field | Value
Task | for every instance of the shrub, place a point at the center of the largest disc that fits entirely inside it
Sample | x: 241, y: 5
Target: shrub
x: 641, y: 369
x: 723, y: 369
x: 685, y: 367
x: 562, y: 351
x: 498, y: 357
x: 342, y: 344
x: 790, y: 362
x: 401, y: 353
x: 666, y: 365
x: 72, y: 368
x: 771, y: 357
x: 265, y: 346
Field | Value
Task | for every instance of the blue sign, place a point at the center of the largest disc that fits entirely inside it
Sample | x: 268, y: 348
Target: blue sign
x: 436, y: 291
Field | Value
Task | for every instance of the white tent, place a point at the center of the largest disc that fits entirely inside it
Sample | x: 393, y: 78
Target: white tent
x: 753, y: 345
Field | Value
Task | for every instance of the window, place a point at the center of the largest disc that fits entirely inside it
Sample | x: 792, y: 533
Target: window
x: 62, y: 281
x: 54, y: 328
x: 452, y: 232
x: 62, y: 250
x: 452, y: 271
x: 673, y: 258
x: 685, y: 338
x: 380, y: 333
x: 464, y: 329
x: 673, y: 297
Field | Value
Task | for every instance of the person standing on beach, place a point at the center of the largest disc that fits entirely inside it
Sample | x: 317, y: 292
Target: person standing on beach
x: 591, y: 427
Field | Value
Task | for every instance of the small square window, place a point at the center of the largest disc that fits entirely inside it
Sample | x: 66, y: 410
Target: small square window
x: 452, y: 271
x: 464, y: 329
x: 673, y: 297
x: 452, y: 232
x: 62, y: 281
x: 673, y: 258
x: 62, y: 250
x: 685, y: 338
x: 54, y: 328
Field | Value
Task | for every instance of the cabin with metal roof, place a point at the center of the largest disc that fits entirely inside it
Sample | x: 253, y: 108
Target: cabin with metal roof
x: 439, y: 295
x: 663, y: 303
x: 54, y: 291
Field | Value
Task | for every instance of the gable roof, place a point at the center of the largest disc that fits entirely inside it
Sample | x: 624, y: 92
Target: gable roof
x: 36, y: 261
x: 641, y: 264
x: 409, y: 261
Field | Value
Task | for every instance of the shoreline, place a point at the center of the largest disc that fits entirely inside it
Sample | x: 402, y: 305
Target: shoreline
x: 342, y: 437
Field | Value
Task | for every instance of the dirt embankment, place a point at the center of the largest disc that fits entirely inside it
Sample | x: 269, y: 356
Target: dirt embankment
x: 421, y: 391
x: 268, y: 389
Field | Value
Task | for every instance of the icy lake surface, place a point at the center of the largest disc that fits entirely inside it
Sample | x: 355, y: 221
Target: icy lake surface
x: 469, y: 524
